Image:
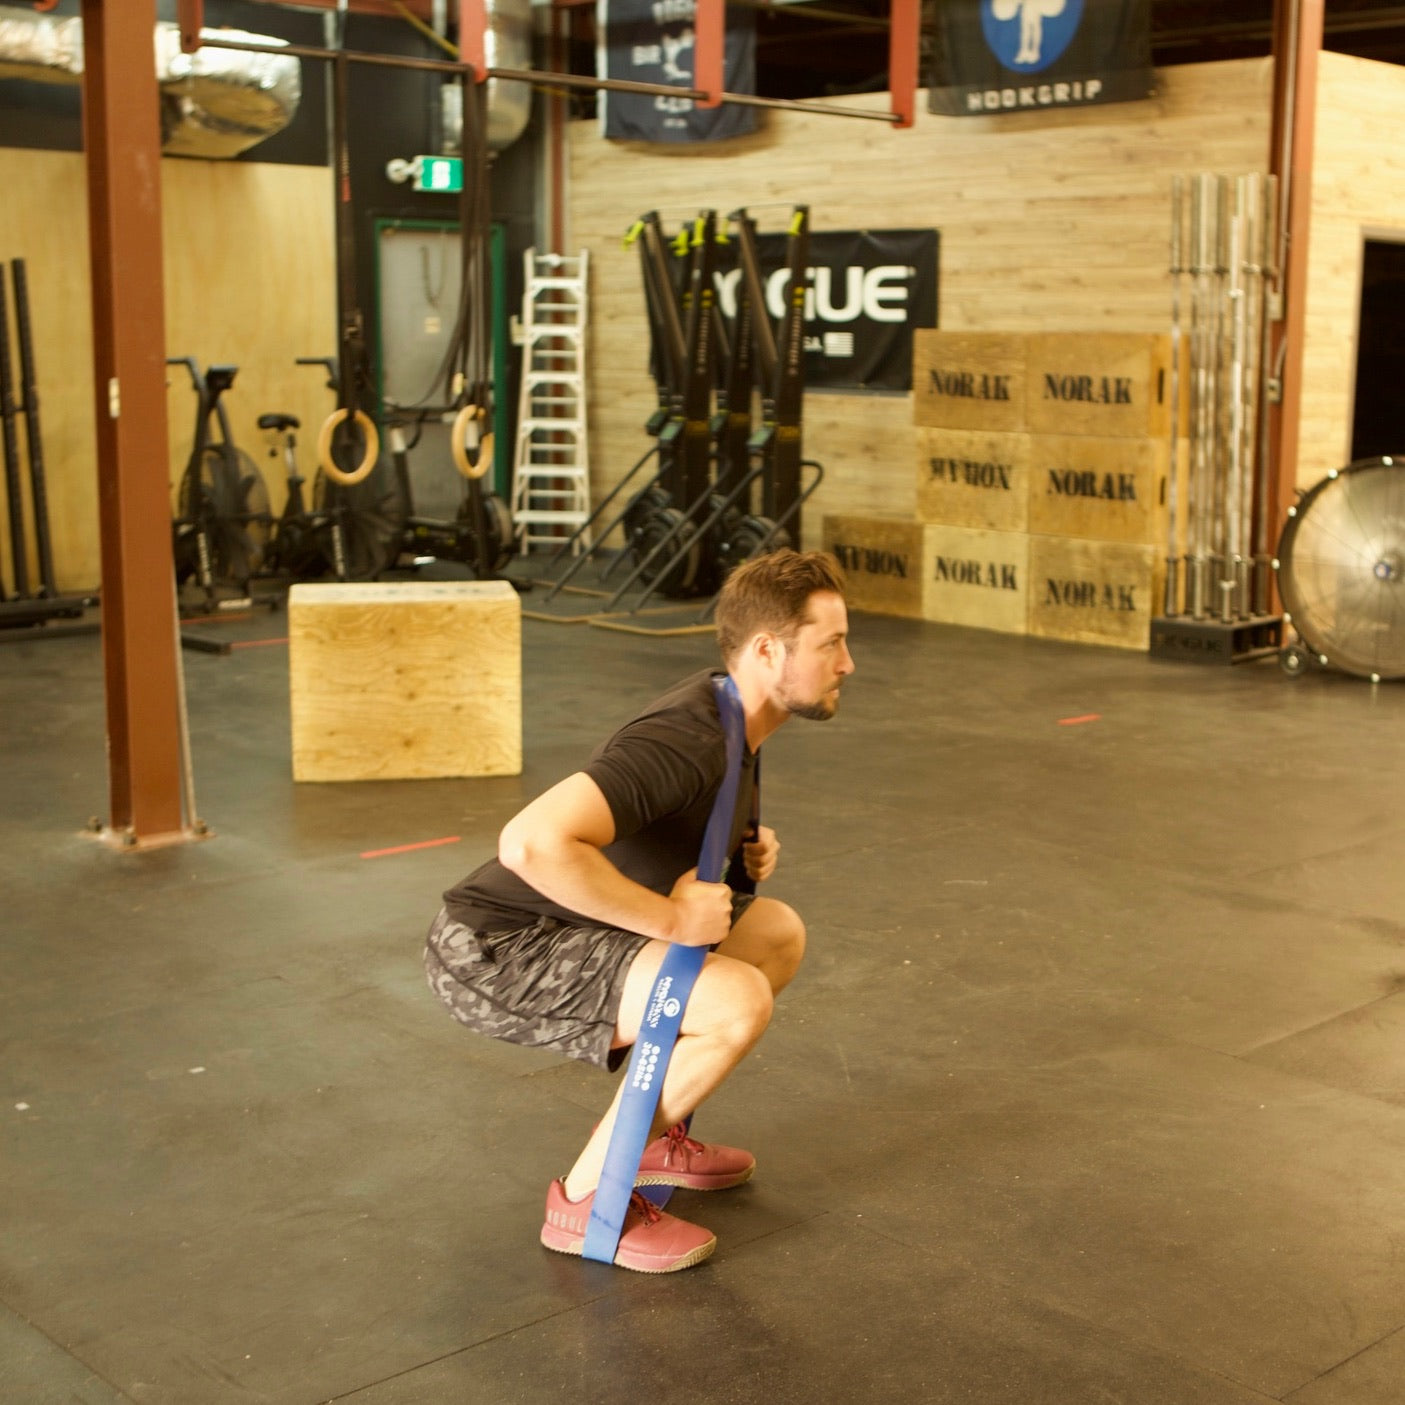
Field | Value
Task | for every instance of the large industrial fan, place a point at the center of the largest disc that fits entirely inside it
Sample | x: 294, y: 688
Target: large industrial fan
x: 1341, y: 572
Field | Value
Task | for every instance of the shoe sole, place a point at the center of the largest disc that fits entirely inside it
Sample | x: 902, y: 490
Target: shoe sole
x: 682, y: 1181
x: 577, y: 1248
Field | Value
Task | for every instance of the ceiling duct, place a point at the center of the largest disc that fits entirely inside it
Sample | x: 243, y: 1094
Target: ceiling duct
x: 507, y: 44
x: 214, y: 103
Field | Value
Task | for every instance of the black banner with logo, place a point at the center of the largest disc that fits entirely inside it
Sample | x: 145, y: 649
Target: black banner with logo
x: 651, y: 41
x: 996, y: 56
x: 867, y: 290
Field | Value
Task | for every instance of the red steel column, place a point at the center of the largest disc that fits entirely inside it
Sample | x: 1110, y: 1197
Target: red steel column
x: 710, y: 51
x: 1297, y: 41
x: 473, y: 37
x: 904, y: 43
x: 122, y: 138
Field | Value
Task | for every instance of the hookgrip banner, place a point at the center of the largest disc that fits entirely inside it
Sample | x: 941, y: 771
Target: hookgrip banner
x: 995, y: 56
x: 651, y: 41
x: 867, y: 290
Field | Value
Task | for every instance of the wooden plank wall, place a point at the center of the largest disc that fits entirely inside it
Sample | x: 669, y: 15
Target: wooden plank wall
x: 249, y: 280
x: 1055, y: 221
x: 1358, y: 191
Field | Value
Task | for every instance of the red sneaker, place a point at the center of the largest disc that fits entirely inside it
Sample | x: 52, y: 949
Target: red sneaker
x: 677, y: 1159
x: 653, y: 1241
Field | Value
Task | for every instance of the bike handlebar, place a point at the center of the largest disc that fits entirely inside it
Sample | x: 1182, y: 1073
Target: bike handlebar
x: 330, y: 362
x: 190, y: 364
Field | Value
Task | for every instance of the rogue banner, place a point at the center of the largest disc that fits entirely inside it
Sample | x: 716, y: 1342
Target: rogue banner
x: 1030, y: 55
x: 651, y: 41
x: 867, y: 290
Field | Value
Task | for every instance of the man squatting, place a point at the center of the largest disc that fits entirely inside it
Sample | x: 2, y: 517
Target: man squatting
x: 557, y: 941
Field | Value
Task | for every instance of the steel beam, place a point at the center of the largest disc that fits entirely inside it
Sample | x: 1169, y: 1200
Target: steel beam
x: 710, y: 51
x: 122, y: 139
x: 473, y: 37
x: 1297, y: 41
x: 384, y: 9
x: 904, y: 44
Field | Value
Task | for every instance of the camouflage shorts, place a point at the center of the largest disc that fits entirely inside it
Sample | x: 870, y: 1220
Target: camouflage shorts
x: 547, y: 985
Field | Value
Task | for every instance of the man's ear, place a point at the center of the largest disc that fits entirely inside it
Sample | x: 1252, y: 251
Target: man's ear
x: 768, y: 648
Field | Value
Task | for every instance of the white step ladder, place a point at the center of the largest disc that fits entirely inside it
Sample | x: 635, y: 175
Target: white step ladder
x: 551, y: 463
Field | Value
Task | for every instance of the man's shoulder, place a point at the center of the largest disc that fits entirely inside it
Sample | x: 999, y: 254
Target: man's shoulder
x: 680, y: 719
x: 692, y: 695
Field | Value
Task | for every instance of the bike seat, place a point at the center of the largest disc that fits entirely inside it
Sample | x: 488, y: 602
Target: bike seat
x: 279, y: 422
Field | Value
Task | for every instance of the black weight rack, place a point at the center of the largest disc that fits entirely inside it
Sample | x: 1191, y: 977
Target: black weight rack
x: 28, y: 610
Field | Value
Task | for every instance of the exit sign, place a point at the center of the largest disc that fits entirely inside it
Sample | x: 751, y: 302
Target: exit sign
x: 439, y: 173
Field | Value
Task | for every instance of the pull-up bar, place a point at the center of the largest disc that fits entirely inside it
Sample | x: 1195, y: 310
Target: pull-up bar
x: 709, y: 29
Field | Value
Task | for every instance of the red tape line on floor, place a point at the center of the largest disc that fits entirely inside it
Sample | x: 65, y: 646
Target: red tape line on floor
x: 1078, y: 721
x: 406, y: 848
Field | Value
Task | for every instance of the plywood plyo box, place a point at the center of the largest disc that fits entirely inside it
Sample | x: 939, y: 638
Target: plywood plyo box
x: 1099, y: 383
x: 968, y: 380
x: 882, y: 561
x: 405, y: 680
x: 968, y: 478
x: 976, y: 578
x: 1093, y: 592
x: 1101, y: 489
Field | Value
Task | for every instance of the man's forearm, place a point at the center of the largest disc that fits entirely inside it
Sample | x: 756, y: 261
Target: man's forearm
x: 576, y: 875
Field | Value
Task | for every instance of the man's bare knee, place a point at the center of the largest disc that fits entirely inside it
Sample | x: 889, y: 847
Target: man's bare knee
x: 790, y: 938
x: 732, y: 1001
x: 771, y: 937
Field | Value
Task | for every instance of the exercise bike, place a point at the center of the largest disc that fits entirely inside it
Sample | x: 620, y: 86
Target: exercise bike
x: 223, y: 522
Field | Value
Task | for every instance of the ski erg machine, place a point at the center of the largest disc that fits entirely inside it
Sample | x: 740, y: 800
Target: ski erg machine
x: 722, y: 490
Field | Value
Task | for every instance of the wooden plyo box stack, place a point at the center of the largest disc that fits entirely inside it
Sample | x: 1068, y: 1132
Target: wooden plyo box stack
x: 1041, y: 485
x: 405, y: 680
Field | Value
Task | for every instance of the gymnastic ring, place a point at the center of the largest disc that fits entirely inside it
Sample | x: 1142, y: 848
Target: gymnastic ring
x: 324, y: 448
x: 460, y: 453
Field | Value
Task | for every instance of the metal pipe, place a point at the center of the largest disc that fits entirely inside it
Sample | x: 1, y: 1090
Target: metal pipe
x: 1253, y: 197
x: 1229, y: 572
x: 1200, y: 192
x: 1219, y: 436
x: 311, y: 51
x: 29, y: 392
x: 1268, y: 259
x: 9, y: 430
x: 1172, y: 600
x: 555, y: 80
x: 822, y: 109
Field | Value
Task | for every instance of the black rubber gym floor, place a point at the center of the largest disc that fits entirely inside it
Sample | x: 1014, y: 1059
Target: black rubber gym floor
x: 1092, y: 1088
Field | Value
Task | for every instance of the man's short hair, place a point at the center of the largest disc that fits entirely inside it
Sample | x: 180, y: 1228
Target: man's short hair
x: 769, y: 593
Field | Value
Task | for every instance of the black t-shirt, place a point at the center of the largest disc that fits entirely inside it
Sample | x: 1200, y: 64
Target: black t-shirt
x: 659, y: 775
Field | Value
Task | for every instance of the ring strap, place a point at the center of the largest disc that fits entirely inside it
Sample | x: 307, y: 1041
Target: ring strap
x: 663, y: 1014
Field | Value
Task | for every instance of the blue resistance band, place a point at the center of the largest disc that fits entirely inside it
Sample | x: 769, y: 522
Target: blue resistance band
x: 663, y: 1015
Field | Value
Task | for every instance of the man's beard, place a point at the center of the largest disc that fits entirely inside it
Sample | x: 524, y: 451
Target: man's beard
x: 821, y: 709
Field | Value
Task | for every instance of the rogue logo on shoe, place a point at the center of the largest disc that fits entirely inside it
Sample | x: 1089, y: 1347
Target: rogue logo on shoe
x: 570, y: 1223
